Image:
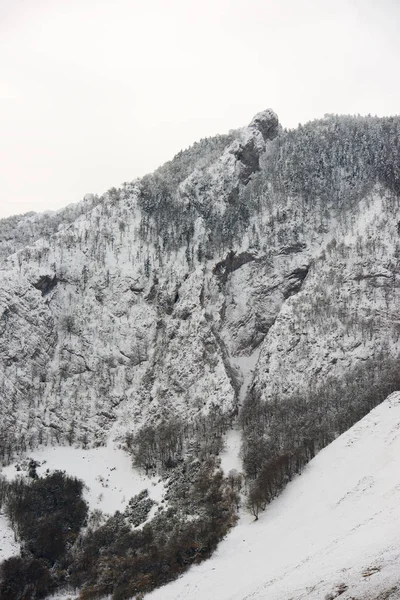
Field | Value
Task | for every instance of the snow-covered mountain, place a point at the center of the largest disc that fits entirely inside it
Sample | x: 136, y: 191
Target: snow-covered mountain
x: 253, y: 283
x: 264, y: 257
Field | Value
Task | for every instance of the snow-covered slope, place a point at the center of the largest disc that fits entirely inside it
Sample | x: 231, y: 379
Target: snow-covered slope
x: 8, y: 546
x: 107, y: 473
x: 336, y: 528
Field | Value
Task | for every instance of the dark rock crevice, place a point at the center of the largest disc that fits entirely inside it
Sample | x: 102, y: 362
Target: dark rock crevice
x: 248, y: 157
x: 295, y: 281
x: 231, y: 263
x: 293, y: 249
x: 45, y: 284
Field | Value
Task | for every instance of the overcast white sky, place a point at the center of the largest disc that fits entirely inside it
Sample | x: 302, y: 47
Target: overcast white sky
x: 97, y: 92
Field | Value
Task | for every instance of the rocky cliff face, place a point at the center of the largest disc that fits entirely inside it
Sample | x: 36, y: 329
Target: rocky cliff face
x: 263, y: 261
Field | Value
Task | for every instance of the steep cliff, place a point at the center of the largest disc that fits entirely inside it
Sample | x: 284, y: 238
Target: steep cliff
x: 262, y: 262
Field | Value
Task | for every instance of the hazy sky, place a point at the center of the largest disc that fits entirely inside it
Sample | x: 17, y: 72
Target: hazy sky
x: 97, y: 92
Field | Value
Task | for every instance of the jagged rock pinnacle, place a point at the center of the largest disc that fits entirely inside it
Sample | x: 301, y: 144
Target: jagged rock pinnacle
x: 267, y: 123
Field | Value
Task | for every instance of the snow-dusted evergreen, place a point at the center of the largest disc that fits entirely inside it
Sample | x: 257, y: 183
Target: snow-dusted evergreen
x: 245, y: 293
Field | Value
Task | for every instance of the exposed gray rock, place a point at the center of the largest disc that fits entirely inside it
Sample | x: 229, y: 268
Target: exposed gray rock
x: 144, y: 311
x: 267, y: 123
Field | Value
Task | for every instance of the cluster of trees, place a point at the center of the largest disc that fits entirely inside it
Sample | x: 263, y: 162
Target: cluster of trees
x: 336, y: 158
x: 138, y: 508
x: 111, y: 557
x: 47, y: 514
x: 157, y: 445
x: 114, y: 560
x: 162, y: 446
x: 281, y: 435
x: 8, y: 443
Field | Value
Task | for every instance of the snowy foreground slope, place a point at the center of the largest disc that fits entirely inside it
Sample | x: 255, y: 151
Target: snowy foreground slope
x: 336, y: 527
